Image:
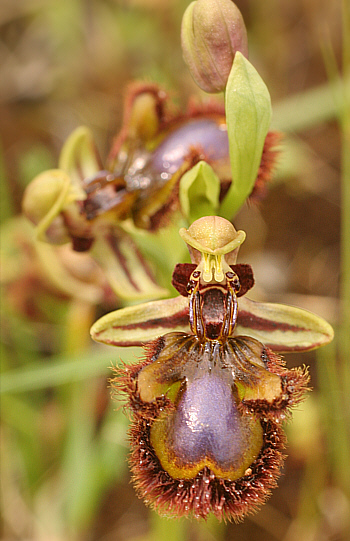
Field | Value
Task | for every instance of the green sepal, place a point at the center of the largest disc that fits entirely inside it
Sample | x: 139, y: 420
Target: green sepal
x: 79, y: 158
x: 248, y: 117
x: 281, y: 327
x: 137, y: 325
x: 199, y: 192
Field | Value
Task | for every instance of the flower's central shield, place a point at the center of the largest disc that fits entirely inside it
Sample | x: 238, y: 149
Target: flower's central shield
x: 206, y: 428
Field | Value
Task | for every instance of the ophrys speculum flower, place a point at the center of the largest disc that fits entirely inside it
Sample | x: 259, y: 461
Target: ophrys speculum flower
x: 208, y: 400
x: 97, y: 207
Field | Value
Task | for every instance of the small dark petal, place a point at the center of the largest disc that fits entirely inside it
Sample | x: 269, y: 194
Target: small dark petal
x: 183, y: 271
x: 81, y: 244
x: 246, y: 277
x: 181, y: 276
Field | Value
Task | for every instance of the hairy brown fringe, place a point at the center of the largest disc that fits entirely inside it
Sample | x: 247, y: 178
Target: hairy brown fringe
x: 205, y: 494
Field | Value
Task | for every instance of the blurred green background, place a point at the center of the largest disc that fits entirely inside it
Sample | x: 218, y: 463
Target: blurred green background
x: 64, y: 63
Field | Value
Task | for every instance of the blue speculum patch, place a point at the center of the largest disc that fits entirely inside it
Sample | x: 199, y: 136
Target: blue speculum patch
x: 203, y: 133
x: 207, y: 429
x: 207, y: 423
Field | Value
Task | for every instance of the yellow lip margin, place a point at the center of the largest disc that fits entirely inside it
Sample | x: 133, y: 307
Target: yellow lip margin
x: 171, y: 463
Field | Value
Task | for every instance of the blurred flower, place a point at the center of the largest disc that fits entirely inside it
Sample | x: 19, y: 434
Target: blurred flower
x: 96, y: 208
x: 34, y: 273
x: 209, y: 398
x: 211, y: 34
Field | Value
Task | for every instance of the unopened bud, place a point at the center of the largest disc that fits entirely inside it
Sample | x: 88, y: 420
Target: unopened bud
x: 211, y: 34
x: 43, y: 193
x: 45, y: 198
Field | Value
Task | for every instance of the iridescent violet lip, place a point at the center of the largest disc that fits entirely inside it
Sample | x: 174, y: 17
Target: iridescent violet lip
x: 210, y: 135
x: 207, y: 429
x: 198, y: 138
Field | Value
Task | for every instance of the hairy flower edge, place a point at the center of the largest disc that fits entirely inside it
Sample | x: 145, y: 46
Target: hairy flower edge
x: 205, y: 493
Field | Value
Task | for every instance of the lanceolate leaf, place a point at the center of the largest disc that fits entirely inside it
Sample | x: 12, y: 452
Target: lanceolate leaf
x: 283, y: 328
x: 248, y: 117
x: 136, y: 325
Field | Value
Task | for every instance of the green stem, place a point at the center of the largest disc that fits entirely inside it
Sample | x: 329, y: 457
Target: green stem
x: 309, y: 108
x: 163, y: 528
x: 344, y: 343
x: 334, y: 400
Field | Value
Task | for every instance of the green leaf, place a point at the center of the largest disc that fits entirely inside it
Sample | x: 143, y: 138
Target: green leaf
x: 199, y: 192
x: 137, y: 325
x: 281, y: 327
x: 63, y: 369
x: 248, y: 117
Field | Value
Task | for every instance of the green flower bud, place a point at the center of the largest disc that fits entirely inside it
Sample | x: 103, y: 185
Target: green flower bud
x: 211, y: 34
x: 45, y: 198
x: 43, y: 193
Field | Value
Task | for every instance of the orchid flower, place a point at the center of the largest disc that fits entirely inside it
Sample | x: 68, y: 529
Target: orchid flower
x: 159, y: 163
x: 209, y: 398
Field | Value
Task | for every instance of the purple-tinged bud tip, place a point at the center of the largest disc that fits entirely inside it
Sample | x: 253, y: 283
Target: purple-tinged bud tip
x: 211, y: 34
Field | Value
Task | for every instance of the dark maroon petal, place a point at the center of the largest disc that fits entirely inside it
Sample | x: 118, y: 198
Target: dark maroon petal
x: 181, y: 276
x: 246, y: 277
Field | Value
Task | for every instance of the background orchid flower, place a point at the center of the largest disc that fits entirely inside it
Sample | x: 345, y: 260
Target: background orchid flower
x: 33, y: 271
x: 160, y: 163
x: 58, y: 202
x: 209, y: 398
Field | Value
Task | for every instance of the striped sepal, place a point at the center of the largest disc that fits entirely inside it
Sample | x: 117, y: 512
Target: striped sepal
x: 282, y: 328
x: 127, y: 271
x: 137, y: 325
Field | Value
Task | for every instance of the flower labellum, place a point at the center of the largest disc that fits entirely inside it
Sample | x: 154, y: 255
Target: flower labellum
x: 207, y: 402
x: 212, y: 32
